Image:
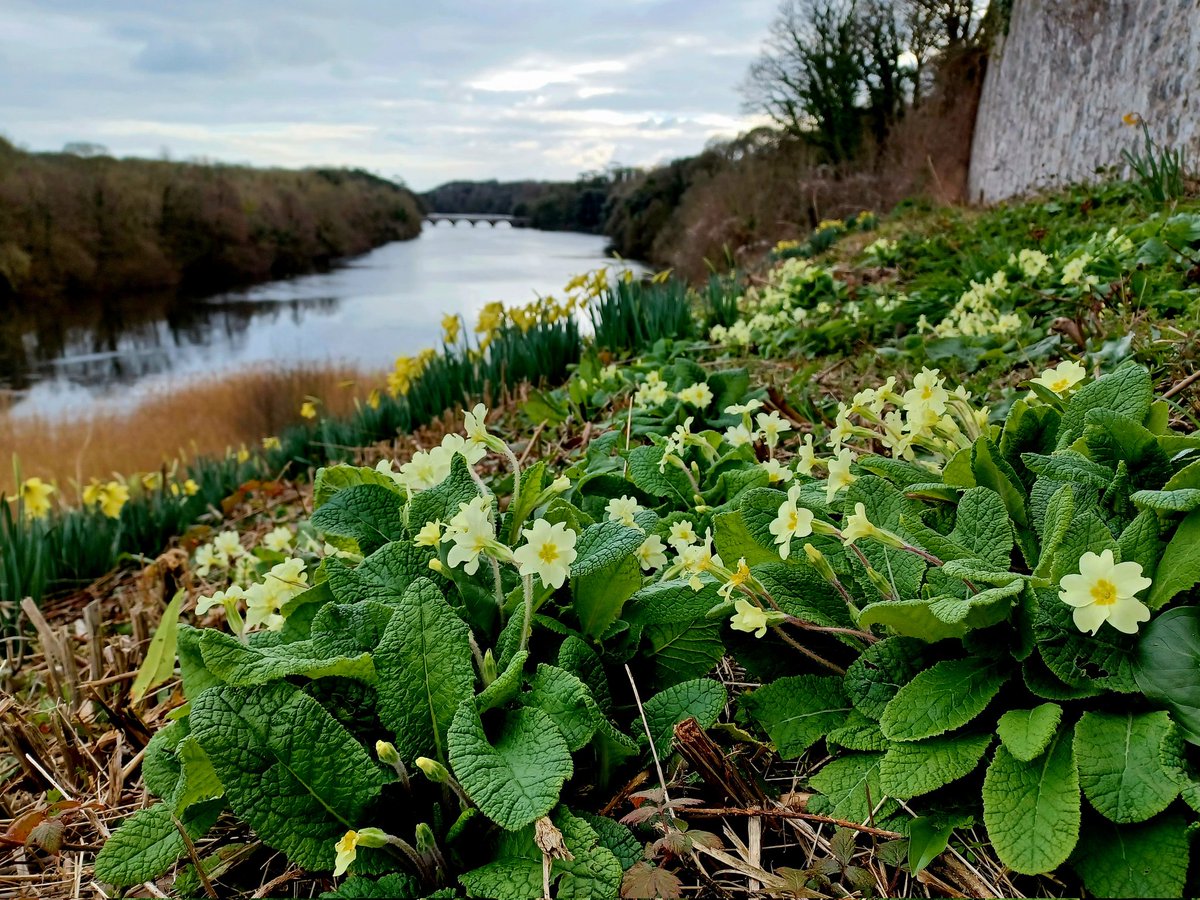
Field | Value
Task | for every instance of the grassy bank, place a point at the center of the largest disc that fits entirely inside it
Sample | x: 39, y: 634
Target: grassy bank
x: 94, y: 225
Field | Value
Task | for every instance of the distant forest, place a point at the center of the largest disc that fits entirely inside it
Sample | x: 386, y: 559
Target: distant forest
x: 83, y: 223
x: 580, y: 205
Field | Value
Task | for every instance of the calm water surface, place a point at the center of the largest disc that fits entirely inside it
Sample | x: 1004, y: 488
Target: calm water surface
x: 386, y: 303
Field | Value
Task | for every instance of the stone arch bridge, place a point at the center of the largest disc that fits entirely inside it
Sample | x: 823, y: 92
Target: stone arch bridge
x: 473, y: 219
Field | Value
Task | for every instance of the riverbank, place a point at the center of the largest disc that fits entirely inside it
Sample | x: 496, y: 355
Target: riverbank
x: 76, y: 225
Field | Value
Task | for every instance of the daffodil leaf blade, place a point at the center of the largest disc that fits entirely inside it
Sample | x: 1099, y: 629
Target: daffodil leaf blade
x: 701, y: 699
x: 1129, y: 765
x: 148, y: 842
x: 1025, y: 733
x: 1179, y: 568
x: 1168, y: 666
x: 290, y: 771
x: 159, y: 664
x: 1146, y: 860
x: 919, y: 767
x: 518, y: 777
x: 1032, y: 810
x: 798, y: 710
x: 942, y: 698
x: 368, y: 514
x: 424, y: 671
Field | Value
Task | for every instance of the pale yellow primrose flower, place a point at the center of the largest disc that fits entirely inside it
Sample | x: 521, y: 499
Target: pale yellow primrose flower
x: 430, y: 534
x: 232, y: 595
x: 278, y: 539
x: 698, y: 395
x: 748, y: 617
x: 806, y: 456
x: 472, y: 533
x: 858, y: 526
x: 792, y: 521
x: 347, y: 847
x: 622, y: 509
x: 1103, y: 591
x: 739, y: 409
x: 839, y: 473
x: 548, y: 552
x: 1062, y: 377
x: 228, y: 544
x: 282, y: 583
x: 475, y: 424
x: 927, y: 393
x: 683, y: 534
x: 772, y: 425
x: 650, y: 555
x: 740, y: 435
x: 739, y: 577
x: 776, y: 471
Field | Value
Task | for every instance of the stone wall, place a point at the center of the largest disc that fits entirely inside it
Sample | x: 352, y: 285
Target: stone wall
x: 1060, y: 82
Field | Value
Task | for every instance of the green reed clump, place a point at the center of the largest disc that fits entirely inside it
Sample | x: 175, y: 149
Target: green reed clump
x: 629, y: 315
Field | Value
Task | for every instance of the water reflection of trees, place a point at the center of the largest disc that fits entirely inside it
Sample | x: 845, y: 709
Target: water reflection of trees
x: 122, y: 340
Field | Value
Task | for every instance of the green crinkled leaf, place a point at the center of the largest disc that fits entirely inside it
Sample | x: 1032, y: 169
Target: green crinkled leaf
x: 1112, y: 439
x: 290, y: 771
x: 798, y: 711
x: 396, y: 886
x: 331, y: 479
x: 982, y: 526
x: 1103, y: 660
x: 1069, y: 466
x: 850, y: 788
x: 1129, y: 767
x: 800, y: 591
x: 506, y: 686
x: 195, y: 675
x: 912, y: 769
x: 1026, y: 733
x: 238, y: 664
x: 198, y: 780
x: 383, y: 576
x: 1087, y: 533
x: 1181, y: 500
x: 733, y: 541
x: 942, y: 698
x: 424, y: 671
x: 348, y: 629
x: 1127, y: 391
x: 368, y: 514
x: 599, y: 595
x: 1032, y: 809
x: 577, y: 657
x: 512, y: 878
x: 518, y: 777
x: 700, y: 699
x: 671, y: 483
x: 148, y: 842
x: 1168, y: 666
x: 617, y: 838
x: 442, y: 502
x: 979, y: 610
x: 1060, y: 511
x: 533, y: 480
x: 1147, y: 860
x: 567, y: 701
x: 993, y: 471
x: 911, y: 618
x: 668, y: 602
x: 880, y: 671
x: 1179, y: 568
x: 858, y: 733
x: 683, y: 650
x: 602, y: 545
x: 161, y: 768
x: 1140, y: 543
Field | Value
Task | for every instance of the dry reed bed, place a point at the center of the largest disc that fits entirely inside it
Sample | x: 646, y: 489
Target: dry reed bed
x: 204, y: 417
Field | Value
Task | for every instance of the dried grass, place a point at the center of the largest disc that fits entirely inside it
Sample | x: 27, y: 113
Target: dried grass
x: 194, y: 418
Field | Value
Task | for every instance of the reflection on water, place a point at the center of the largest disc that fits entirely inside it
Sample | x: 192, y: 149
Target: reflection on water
x: 61, y: 356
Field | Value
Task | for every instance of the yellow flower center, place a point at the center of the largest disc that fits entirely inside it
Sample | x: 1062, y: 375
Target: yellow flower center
x: 793, y: 520
x: 548, y: 553
x: 1104, y: 593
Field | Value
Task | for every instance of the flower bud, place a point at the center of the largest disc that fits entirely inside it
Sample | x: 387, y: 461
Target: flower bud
x: 433, y: 770
x: 489, y: 668
x: 372, y: 837
x: 436, y: 565
x: 425, y: 839
x: 387, y: 753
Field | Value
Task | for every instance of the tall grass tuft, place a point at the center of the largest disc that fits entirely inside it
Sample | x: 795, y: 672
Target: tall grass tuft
x: 1158, y: 171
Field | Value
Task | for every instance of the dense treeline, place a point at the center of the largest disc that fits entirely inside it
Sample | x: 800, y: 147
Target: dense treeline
x: 74, y: 224
x: 580, y: 205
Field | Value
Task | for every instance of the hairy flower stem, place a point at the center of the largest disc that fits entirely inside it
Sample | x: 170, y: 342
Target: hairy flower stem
x: 498, y: 586
x: 527, y: 586
x: 418, y: 861
x: 796, y: 645
x: 516, y: 470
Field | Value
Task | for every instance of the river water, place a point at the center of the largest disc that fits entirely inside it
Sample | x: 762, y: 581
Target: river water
x: 386, y: 303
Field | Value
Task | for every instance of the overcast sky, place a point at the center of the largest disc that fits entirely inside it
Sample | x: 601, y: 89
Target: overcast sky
x: 426, y: 91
